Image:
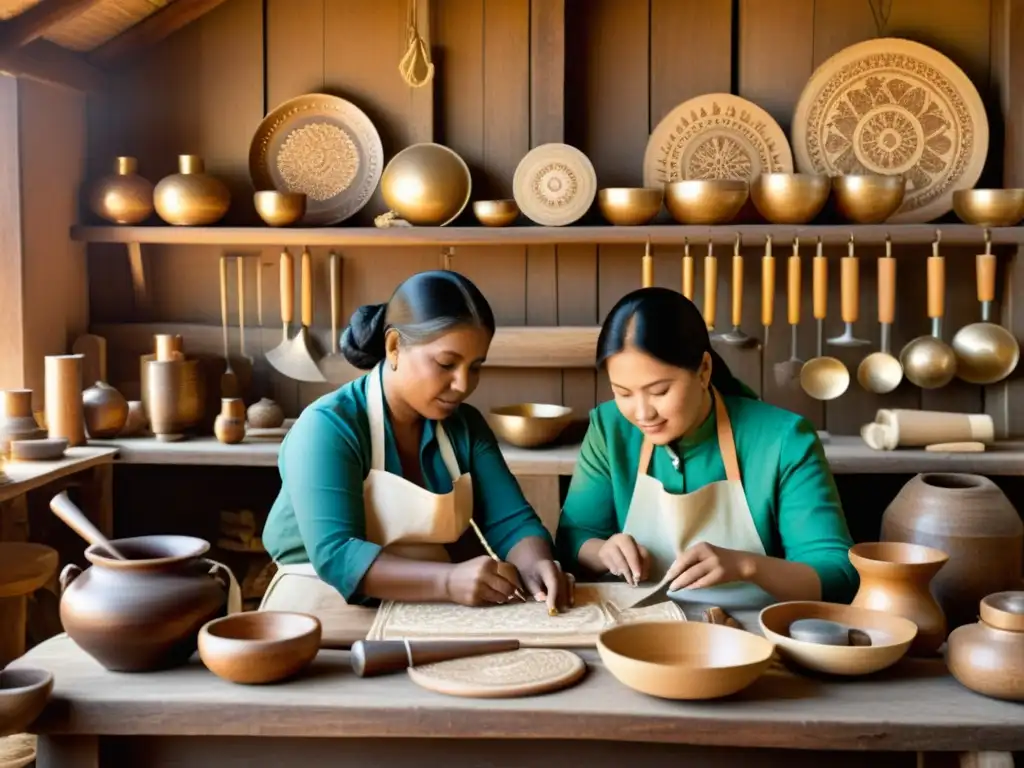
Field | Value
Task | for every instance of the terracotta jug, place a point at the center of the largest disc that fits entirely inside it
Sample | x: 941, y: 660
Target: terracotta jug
x: 969, y: 518
x: 988, y: 656
x: 143, y: 613
x: 895, y: 578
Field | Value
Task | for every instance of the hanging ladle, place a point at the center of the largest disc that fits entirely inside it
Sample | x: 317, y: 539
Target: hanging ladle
x: 823, y: 378
x: 647, y: 267
x: 710, y: 288
x: 787, y: 372
x: 928, y: 361
x: 849, y: 287
x: 76, y: 520
x: 880, y: 372
x: 985, y: 352
x: 736, y: 336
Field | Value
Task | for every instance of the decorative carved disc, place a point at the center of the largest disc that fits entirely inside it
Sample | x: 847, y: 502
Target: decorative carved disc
x: 715, y: 136
x: 525, y: 672
x: 894, y: 106
x: 323, y: 146
x: 554, y: 185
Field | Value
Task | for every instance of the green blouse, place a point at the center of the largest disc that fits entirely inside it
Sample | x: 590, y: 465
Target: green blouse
x: 788, y: 485
x: 318, y: 516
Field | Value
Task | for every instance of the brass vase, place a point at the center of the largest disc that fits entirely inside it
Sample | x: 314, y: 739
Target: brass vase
x: 123, y: 197
x: 191, y: 197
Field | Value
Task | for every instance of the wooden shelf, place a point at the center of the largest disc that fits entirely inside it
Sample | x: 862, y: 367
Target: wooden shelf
x: 25, y: 476
x: 952, y: 234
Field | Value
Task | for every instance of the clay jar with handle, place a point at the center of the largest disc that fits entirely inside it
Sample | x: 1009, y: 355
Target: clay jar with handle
x: 143, y: 613
x: 895, y: 578
x: 988, y: 656
x: 969, y: 518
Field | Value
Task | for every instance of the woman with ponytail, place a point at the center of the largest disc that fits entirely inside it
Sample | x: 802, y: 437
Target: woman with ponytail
x: 687, y: 479
x: 382, y: 479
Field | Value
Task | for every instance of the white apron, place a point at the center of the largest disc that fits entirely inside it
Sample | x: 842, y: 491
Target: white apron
x: 402, y: 517
x: 667, y: 524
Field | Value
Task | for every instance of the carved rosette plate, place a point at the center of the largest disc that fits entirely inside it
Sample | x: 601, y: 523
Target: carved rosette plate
x: 323, y: 146
x: 715, y: 136
x: 525, y: 672
x: 893, y: 106
x: 554, y: 185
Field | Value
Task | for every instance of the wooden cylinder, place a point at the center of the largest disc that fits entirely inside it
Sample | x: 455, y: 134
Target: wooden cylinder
x: 15, y: 403
x: 63, y: 398
x: 168, y: 346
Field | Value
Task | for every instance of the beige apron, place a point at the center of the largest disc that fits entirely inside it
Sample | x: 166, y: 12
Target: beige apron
x: 667, y: 524
x: 402, y: 517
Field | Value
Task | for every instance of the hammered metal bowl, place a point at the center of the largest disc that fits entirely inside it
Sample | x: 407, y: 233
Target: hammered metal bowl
x: 868, y: 198
x: 530, y: 425
x: 280, y: 209
x: 989, y: 207
x: 427, y: 185
x: 496, y: 213
x: 705, y: 201
x: 790, y: 198
x: 630, y: 206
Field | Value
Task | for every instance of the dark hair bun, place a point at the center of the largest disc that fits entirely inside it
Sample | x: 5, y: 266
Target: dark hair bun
x: 362, y: 343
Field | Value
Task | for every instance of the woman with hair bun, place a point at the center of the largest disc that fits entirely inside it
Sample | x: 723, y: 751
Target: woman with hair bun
x: 686, y: 478
x: 381, y: 478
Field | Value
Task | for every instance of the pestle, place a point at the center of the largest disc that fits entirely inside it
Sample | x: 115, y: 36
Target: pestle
x: 376, y: 657
x: 76, y: 520
x: 825, y: 632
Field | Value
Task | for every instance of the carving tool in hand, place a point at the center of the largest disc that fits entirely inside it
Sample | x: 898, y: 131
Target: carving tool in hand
x: 491, y: 553
x: 376, y: 657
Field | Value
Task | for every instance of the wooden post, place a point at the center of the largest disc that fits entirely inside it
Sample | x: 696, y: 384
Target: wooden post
x: 12, y: 315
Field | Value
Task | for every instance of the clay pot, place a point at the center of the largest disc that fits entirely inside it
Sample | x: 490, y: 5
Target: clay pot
x: 191, y: 197
x: 266, y: 414
x: 106, y: 410
x: 143, y: 613
x: 23, y: 696
x: 895, y: 578
x: 229, y: 426
x: 969, y: 518
x: 988, y: 656
x: 16, y: 419
x: 136, y: 422
x: 124, y: 197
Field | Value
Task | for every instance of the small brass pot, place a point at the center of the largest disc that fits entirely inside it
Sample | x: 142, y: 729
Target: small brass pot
x: 496, y: 213
x: 630, y: 206
x: 705, y: 201
x: 868, y: 198
x: 530, y: 425
x: 123, y: 197
x: 280, y: 209
x: 790, y: 198
x: 989, y: 207
x: 191, y: 197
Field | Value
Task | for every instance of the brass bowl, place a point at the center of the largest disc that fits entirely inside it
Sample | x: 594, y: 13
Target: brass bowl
x: 529, y: 425
x: 705, y: 201
x: 496, y: 213
x: 258, y: 647
x: 790, y: 198
x: 630, y: 206
x: 427, y: 185
x: 868, y: 198
x: 989, y: 207
x: 280, y: 209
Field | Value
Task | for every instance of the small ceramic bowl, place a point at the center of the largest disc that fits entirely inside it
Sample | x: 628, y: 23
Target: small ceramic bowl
x: 530, y: 425
x: 23, y: 695
x: 258, y: 647
x: 684, y: 660
x: 890, y: 635
x: 45, y: 449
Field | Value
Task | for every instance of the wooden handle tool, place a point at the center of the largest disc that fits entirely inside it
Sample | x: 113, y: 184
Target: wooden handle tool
x: 307, y: 288
x: 849, y: 277
x: 820, y: 286
x: 224, y: 302
x: 767, y: 288
x: 240, y: 263
x: 936, y: 283
x: 793, y: 285
x: 887, y: 286
x: 378, y: 657
x: 687, y: 271
x: 335, y: 302
x: 710, y: 287
x: 985, y: 266
x: 737, y: 284
x: 647, y: 275
x: 287, y: 291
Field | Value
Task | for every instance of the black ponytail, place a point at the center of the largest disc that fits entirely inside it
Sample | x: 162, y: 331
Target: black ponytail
x: 669, y: 327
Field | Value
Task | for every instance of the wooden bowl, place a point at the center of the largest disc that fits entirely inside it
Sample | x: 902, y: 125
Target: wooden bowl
x: 868, y: 198
x: 790, y: 198
x: 258, y: 647
x: 630, y: 206
x: 45, y: 449
x: 989, y: 207
x: 891, y: 637
x: 23, y: 695
x: 705, y: 201
x: 684, y: 660
x: 426, y: 184
x: 529, y: 425
x: 280, y: 209
x: 496, y: 213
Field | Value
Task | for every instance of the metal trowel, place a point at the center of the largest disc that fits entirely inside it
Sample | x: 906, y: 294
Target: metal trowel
x: 295, y: 357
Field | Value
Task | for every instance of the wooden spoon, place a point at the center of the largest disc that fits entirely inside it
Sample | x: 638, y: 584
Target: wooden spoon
x: 76, y: 520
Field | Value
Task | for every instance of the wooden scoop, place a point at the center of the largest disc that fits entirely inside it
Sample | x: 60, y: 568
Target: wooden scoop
x: 76, y: 520
x: 377, y: 657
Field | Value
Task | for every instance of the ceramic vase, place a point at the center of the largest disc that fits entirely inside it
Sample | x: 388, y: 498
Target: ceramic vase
x: 988, y: 655
x: 895, y: 578
x: 106, y: 410
x: 16, y: 419
x: 191, y: 197
x: 124, y: 197
x: 173, y: 397
x: 229, y: 426
x: 265, y: 414
x: 64, y: 412
x: 136, y: 422
x: 969, y: 518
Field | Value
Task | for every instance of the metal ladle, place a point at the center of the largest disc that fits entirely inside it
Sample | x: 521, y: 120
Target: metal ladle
x: 849, y: 286
x: 823, y: 378
x: 928, y: 361
x: 985, y: 352
x: 787, y: 373
x: 736, y: 336
x: 880, y: 372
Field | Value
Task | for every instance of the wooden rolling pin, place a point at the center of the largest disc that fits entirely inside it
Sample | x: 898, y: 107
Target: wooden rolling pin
x: 378, y: 657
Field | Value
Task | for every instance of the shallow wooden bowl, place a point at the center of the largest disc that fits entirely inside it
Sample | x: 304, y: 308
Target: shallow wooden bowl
x: 259, y: 646
x: 868, y: 198
x: 630, y: 206
x: 44, y: 449
x: 23, y: 694
x: 496, y: 213
x: 989, y: 207
x: 684, y: 660
x: 790, y: 198
x: 705, y: 201
x: 280, y: 209
x: 1004, y: 610
x: 529, y: 425
x: 891, y: 637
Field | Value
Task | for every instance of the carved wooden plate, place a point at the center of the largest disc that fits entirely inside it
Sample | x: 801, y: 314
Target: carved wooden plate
x: 715, y: 136
x: 525, y: 672
x: 323, y: 146
x: 554, y: 185
x: 893, y: 106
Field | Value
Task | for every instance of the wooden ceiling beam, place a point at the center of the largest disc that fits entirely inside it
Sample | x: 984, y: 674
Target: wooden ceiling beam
x: 49, y: 63
x: 151, y: 31
x: 38, y: 20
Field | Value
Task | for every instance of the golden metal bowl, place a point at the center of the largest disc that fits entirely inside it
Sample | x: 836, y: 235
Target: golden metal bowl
x: 705, y: 201
x: 630, y: 206
x: 868, y: 198
x: 496, y: 213
x: 529, y: 425
x: 427, y: 184
x: 280, y: 209
x: 989, y: 207
x: 790, y: 198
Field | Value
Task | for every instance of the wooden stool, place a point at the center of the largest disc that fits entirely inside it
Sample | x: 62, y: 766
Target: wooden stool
x: 24, y: 568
